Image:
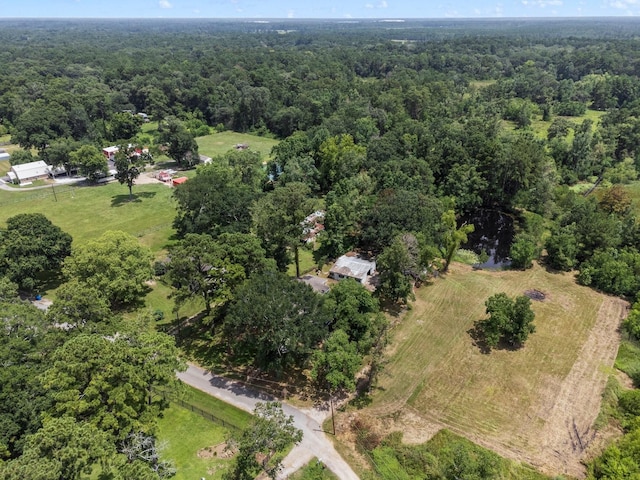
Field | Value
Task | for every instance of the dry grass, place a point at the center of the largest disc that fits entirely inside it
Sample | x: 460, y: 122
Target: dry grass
x: 522, y: 404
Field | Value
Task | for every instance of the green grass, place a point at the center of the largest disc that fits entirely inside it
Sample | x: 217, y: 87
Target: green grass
x: 394, y: 461
x: 183, y: 434
x: 221, y: 410
x: 87, y: 212
x: 307, y: 263
x: 314, y: 470
x: 435, y: 371
x: 221, y: 143
x: 5, y: 166
x: 628, y: 359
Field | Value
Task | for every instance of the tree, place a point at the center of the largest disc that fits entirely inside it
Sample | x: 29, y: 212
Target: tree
x: 275, y: 321
x: 396, y: 212
x: 452, y: 236
x: 77, y: 304
x: 339, y: 158
x: 90, y: 161
x: 562, y: 248
x: 129, y: 164
x: 115, y: 264
x: 523, y: 251
x: 63, y: 449
x: 123, y: 126
x: 179, y: 142
x: 32, y: 245
x: 270, y: 432
x: 244, y: 249
x: 198, y: 267
x: 108, y: 381
x: 335, y: 365
x: 25, y: 346
x: 394, y: 264
x: 613, y: 271
x: 278, y: 218
x: 511, y: 320
x: 215, y: 201
x: 355, y: 311
x: 20, y: 157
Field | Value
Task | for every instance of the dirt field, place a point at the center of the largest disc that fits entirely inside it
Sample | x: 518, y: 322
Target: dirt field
x: 535, y: 404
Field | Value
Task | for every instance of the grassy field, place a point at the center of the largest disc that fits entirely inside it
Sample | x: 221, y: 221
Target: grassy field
x: 222, y: 410
x: 87, y: 212
x: 221, y: 143
x: 436, y: 376
x: 183, y: 435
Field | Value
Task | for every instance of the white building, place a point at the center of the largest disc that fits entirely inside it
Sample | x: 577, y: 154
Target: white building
x: 29, y: 172
x: 352, y: 266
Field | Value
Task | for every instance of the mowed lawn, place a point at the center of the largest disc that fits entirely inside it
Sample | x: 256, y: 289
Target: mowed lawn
x: 221, y: 143
x: 87, y: 212
x: 183, y: 434
x: 436, y: 371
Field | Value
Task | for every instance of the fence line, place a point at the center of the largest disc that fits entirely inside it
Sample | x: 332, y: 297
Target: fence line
x: 41, y: 193
x: 198, y: 411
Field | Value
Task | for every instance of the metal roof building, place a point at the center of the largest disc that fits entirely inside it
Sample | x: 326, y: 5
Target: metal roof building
x: 28, y: 172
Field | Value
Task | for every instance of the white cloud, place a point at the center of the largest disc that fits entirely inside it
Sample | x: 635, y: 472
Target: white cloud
x: 542, y: 3
x: 381, y: 4
x: 623, y: 4
x: 165, y: 4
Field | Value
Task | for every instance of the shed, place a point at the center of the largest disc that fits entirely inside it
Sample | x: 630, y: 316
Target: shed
x: 28, y: 172
x: 179, y: 180
x: 4, y: 156
x: 353, y: 266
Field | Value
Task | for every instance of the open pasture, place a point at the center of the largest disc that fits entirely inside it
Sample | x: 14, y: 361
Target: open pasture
x: 221, y: 143
x: 535, y: 404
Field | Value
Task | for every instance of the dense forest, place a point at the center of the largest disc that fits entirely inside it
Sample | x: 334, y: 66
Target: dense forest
x: 396, y: 130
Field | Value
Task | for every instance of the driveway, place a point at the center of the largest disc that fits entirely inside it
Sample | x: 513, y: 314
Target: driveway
x: 314, y: 441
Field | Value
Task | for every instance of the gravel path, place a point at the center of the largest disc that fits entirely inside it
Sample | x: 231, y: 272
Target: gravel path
x: 314, y: 442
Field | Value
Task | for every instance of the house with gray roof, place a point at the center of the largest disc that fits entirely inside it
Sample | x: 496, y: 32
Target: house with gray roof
x: 353, y: 266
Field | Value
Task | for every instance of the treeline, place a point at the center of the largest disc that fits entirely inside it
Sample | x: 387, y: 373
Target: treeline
x: 394, y: 132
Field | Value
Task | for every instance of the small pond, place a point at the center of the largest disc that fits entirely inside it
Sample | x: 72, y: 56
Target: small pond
x: 493, y: 234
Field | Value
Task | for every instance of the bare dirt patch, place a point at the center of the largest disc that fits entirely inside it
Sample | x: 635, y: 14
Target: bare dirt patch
x: 535, y: 295
x: 536, y: 404
x: 221, y: 450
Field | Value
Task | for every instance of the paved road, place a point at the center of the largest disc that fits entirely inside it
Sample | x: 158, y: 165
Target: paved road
x: 314, y: 442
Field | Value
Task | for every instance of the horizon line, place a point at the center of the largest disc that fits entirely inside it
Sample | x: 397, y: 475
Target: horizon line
x: 345, y: 19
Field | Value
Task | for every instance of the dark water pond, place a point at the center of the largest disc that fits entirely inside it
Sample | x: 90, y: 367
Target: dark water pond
x: 493, y: 234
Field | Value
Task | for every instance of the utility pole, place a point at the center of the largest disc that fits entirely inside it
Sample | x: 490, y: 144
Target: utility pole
x: 333, y: 421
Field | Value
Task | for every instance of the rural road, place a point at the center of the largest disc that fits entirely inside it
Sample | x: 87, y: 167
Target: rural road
x: 314, y: 441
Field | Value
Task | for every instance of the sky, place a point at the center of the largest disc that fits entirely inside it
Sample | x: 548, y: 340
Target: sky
x: 338, y: 9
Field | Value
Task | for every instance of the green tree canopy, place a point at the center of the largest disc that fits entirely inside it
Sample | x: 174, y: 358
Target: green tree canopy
x: 278, y: 219
x: 198, y: 268
x: 275, y: 321
x: 270, y: 432
x: 509, y: 319
x: 90, y: 161
x: 32, y: 245
x: 107, y: 380
x: 179, y: 142
x: 215, y: 201
x: 115, y: 264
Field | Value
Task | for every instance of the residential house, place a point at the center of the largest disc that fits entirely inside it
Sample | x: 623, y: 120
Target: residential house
x: 353, y: 266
